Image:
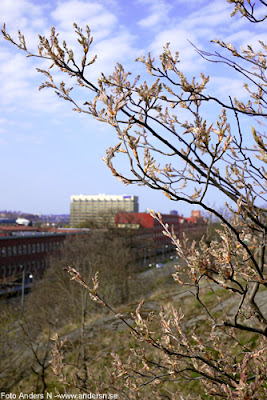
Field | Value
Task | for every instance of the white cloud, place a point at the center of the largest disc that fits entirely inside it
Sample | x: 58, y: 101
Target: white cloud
x: 253, y: 41
x: 179, y: 41
x: 19, y: 86
x: 225, y: 87
x: 19, y: 79
x: 241, y: 35
x: 213, y: 16
x: 17, y: 13
x: 16, y: 75
x: 157, y: 14
x: 114, y: 49
x: 93, y: 14
x: 197, y: 28
x: 113, y: 42
x: 17, y: 67
x: 153, y: 19
x: 191, y: 3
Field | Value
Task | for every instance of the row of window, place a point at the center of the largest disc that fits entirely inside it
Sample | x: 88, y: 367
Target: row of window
x: 95, y: 202
x: 15, y: 269
x: 102, y: 207
x: 31, y: 248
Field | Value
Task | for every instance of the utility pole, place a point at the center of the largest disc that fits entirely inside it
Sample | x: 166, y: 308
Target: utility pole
x: 144, y: 257
x: 22, y: 289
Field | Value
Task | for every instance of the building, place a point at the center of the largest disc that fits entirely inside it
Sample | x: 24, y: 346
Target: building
x: 149, y: 228
x: 26, y: 250
x: 148, y: 224
x: 96, y: 208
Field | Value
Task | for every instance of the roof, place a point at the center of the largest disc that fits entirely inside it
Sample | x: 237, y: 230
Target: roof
x: 102, y: 197
x: 30, y: 231
x: 143, y: 219
x: 20, y: 235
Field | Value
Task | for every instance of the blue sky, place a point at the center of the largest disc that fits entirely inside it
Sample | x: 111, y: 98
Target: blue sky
x: 48, y: 152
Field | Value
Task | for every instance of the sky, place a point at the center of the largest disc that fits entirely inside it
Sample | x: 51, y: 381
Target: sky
x: 49, y: 152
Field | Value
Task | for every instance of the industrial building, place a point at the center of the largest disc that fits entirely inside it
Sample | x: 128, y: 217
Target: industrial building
x: 96, y: 208
x: 25, y: 251
x: 149, y: 228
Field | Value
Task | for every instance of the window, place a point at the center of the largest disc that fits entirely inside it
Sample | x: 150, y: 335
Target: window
x: 38, y: 248
x: 14, y: 250
x: 33, y: 248
x: 24, y: 249
x: 3, y: 251
x: 19, y: 250
x: 29, y: 249
x: 42, y: 247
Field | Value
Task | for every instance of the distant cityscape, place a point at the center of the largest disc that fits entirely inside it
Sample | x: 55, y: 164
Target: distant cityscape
x: 27, y: 240
x: 59, y: 219
x: 83, y: 208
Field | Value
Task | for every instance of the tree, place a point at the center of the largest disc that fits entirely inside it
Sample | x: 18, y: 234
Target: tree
x: 25, y: 338
x: 186, y: 161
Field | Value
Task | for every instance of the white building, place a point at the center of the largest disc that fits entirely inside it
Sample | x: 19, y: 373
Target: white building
x: 97, y: 207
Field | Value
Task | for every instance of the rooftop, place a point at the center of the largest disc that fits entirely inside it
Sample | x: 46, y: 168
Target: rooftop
x: 102, y: 197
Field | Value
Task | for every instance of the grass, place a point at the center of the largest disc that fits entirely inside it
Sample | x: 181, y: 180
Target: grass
x: 101, y: 342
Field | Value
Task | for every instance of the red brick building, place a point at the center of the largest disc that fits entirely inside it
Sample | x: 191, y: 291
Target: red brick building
x: 28, y: 248
x: 150, y: 228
